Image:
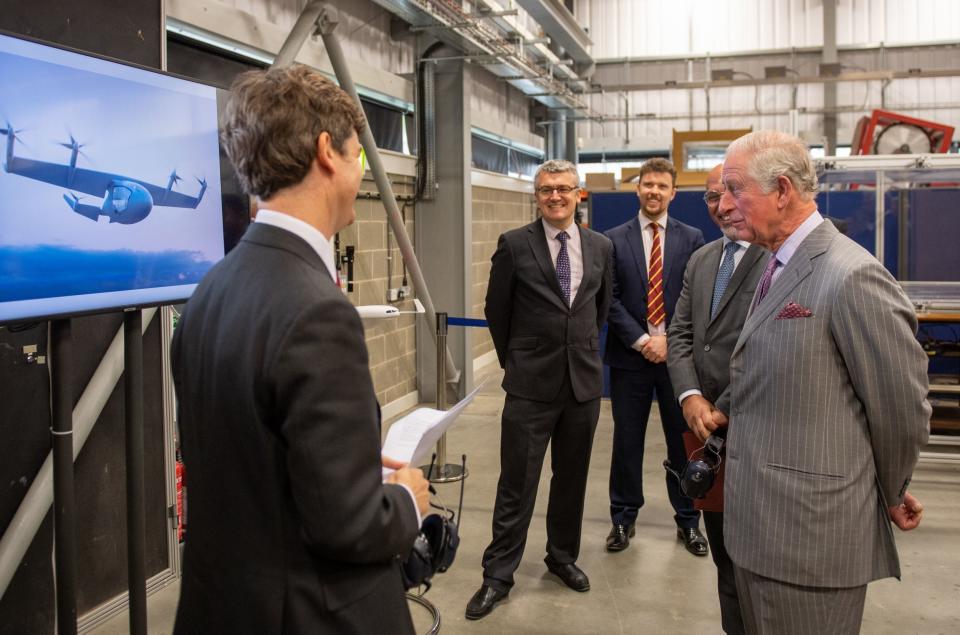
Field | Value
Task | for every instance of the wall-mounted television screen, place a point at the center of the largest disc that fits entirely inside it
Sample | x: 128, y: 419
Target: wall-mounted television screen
x: 110, y: 188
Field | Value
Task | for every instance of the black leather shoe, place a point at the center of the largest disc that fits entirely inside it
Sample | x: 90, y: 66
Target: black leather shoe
x: 571, y: 575
x: 483, y: 602
x: 693, y: 540
x: 619, y: 537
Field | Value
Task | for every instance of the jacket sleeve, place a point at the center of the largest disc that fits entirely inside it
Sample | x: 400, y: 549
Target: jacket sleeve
x: 498, y: 307
x: 328, y: 413
x: 680, y: 363
x: 622, y: 323
x: 874, y: 327
x: 605, y: 294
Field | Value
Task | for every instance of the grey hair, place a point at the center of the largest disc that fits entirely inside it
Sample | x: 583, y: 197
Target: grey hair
x: 556, y: 166
x: 772, y: 154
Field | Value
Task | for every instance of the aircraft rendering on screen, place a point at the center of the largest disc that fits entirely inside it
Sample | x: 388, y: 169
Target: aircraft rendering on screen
x: 125, y: 200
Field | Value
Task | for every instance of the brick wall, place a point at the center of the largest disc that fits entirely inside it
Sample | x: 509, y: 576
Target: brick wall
x: 392, y: 343
x: 494, y: 212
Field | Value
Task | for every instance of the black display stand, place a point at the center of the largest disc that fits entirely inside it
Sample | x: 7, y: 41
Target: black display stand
x: 133, y: 419
x: 64, y: 503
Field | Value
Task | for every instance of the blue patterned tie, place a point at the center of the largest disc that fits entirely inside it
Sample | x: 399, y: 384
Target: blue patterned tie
x: 563, y: 266
x: 723, y: 276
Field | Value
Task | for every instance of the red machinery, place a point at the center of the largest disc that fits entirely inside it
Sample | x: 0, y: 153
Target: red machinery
x: 886, y: 132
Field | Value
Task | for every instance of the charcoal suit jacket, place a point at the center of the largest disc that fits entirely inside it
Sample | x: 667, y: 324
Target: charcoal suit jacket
x: 290, y: 529
x: 538, y: 337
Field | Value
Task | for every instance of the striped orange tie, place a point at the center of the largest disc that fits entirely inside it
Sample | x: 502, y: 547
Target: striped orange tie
x: 655, y: 312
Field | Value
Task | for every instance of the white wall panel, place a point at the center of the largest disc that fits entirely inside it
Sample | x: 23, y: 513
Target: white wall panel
x: 636, y: 28
x: 363, y: 28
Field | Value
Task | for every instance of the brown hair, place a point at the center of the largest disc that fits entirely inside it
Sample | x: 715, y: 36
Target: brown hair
x: 273, y: 120
x: 658, y: 164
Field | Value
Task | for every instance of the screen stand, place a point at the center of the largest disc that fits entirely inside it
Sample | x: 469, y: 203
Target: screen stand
x: 64, y: 508
x: 133, y: 419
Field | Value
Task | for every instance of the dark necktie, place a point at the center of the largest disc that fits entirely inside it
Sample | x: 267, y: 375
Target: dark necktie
x: 723, y: 276
x: 765, y: 280
x: 563, y: 267
x: 655, y: 310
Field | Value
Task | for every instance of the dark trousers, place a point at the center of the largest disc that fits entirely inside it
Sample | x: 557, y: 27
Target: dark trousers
x: 731, y: 619
x: 631, y: 395
x: 526, y: 429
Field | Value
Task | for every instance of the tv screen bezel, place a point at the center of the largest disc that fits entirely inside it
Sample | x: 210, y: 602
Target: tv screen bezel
x: 221, y: 96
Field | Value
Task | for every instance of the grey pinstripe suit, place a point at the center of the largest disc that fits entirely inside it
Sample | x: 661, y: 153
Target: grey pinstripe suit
x: 828, y: 414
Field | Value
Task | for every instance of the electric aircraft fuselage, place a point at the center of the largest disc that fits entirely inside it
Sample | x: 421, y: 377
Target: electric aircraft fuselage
x: 125, y: 200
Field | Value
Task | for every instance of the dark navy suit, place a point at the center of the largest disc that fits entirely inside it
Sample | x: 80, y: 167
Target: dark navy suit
x: 634, y: 379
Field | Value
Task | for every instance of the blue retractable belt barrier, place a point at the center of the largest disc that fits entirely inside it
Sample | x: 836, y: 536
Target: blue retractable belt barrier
x: 458, y: 321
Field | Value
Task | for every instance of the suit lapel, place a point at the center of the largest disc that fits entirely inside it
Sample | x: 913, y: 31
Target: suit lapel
x: 750, y: 258
x: 586, y: 252
x: 635, y: 240
x: 799, y: 267
x: 706, y: 284
x: 537, y: 238
x: 671, y: 247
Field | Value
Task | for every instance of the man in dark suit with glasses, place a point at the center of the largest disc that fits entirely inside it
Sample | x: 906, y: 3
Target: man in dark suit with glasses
x: 548, y: 295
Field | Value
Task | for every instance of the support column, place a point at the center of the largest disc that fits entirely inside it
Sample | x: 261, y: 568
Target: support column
x: 571, y: 154
x: 443, y: 229
x: 830, y: 88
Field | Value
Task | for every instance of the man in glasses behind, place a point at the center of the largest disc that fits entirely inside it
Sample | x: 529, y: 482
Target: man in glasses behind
x: 717, y: 291
x: 548, y: 294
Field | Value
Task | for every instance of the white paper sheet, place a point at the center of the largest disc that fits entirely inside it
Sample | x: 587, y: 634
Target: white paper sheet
x: 412, y: 437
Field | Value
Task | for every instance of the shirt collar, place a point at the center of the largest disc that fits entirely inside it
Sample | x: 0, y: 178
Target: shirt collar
x: 790, y: 245
x: 310, y: 234
x: 726, y: 241
x: 661, y: 222
x: 552, y: 231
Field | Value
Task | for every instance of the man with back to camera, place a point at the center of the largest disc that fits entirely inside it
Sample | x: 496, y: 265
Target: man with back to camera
x: 827, y: 405
x: 292, y: 529
x: 717, y: 291
x: 548, y: 295
x: 650, y: 254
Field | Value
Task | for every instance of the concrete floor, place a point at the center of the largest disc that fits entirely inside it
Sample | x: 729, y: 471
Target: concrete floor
x: 655, y: 586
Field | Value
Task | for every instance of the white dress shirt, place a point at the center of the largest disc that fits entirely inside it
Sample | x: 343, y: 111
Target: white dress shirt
x: 574, y: 253
x: 313, y: 236
x: 647, y: 232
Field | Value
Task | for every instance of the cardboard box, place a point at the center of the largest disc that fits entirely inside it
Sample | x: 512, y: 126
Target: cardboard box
x: 601, y: 181
x: 629, y: 176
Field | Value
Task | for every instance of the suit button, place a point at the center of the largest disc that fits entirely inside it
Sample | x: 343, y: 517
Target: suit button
x: 706, y: 347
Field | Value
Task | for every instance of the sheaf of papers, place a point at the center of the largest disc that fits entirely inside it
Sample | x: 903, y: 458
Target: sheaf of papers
x: 412, y: 437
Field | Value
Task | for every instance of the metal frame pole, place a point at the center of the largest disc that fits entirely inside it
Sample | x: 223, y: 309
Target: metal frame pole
x: 33, y: 508
x: 443, y: 472
x: 136, y: 508
x: 314, y: 14
x: 64, y: 510
x: 339, y: 63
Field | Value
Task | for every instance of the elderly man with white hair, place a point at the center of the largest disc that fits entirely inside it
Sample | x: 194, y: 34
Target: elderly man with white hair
x: 827, y: 407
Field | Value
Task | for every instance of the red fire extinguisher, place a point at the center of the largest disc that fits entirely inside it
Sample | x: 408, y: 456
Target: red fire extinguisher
x: 181, y: 499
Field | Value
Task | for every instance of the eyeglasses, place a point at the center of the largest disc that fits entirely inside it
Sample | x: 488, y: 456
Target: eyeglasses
x: 562, y: 190
x: 712, y: 196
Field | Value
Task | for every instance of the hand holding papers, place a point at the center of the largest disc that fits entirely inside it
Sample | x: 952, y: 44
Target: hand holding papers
x: 411, y: 438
